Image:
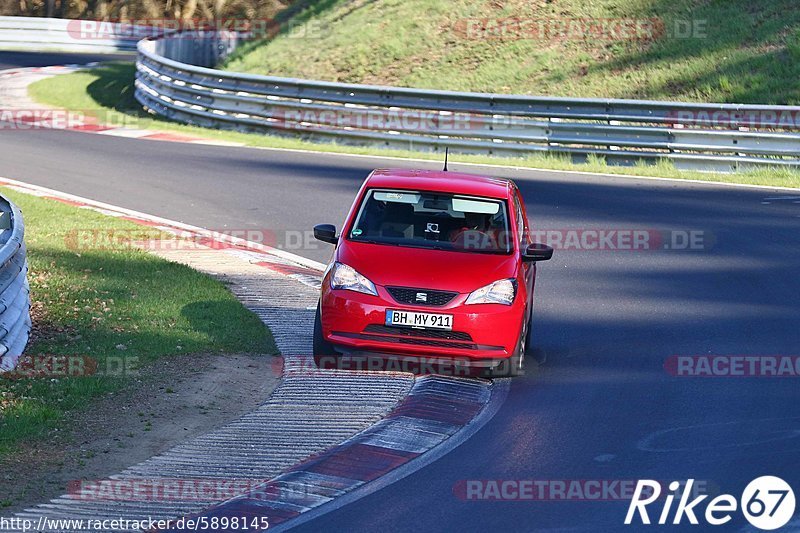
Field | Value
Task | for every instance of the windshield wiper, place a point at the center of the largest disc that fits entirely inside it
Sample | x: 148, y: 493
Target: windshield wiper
x: 426, y: 247
x: 367, y: 241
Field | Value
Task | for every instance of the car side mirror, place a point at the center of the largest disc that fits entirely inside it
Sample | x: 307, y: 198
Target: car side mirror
x: 537, y: 252
x: 326, y: 233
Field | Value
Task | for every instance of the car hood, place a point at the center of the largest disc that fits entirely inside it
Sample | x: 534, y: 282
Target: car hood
x: 426, y: 269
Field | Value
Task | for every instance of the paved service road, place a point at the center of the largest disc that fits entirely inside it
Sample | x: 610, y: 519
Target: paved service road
x: 603, y: 407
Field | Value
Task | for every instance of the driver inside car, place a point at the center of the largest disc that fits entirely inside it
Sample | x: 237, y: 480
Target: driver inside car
x: 474, y: 234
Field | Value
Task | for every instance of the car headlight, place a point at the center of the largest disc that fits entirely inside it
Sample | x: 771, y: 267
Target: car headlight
x: 500, y: 292
x: 347, y: 278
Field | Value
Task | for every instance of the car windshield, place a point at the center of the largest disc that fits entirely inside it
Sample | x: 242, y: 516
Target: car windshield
x: 433, y: 220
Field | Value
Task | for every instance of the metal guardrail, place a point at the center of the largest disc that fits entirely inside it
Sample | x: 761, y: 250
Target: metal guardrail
x: 174, y: 79
x: 64, y: 35
x: 15, y: 304
x: 724, y: 137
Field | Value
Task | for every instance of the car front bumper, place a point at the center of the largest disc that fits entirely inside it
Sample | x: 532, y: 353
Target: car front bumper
x: 482, y: 335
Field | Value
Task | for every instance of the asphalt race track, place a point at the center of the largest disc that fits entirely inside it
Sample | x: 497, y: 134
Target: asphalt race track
x: 35, y: 59
x: 603, y: 407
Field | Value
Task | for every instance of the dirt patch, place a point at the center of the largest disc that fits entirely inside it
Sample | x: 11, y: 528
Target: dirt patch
x: 43, y: 329
x: 171, y: 400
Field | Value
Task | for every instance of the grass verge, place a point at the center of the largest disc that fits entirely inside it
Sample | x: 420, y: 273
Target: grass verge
x: 699, y: 50
x: 107, y: 92
x: 114, y: 307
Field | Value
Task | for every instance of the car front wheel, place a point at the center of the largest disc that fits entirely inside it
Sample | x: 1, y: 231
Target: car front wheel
x: 324, y: 353
x: 513, y: 366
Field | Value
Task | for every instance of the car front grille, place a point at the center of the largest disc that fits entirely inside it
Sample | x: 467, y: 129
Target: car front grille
x: 432, y: 298
x: 418, y: 341
x: 427, y: 333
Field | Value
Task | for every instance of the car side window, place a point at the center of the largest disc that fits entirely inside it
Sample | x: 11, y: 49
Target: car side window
x: 520, y: 220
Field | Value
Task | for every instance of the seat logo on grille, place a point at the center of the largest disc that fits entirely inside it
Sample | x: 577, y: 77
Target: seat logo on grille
x: 422, y: 297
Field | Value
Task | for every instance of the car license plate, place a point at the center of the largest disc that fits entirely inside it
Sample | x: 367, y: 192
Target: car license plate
x: 418, y: 320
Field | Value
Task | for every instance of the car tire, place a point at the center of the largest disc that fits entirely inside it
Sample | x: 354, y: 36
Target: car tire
x: 516, y: 365
x: 324, y: 353
x: 529, y: 335
x: 538, y: 354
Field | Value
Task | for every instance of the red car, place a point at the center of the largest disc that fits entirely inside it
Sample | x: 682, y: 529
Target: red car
x: 433, y: 266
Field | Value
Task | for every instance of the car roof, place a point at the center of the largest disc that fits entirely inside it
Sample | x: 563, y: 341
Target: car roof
x: 440, y: 181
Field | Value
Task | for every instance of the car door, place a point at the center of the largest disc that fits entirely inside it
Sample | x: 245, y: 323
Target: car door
x: 523, y: 239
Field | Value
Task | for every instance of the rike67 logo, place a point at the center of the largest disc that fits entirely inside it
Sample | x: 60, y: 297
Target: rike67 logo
x: 768, y: 503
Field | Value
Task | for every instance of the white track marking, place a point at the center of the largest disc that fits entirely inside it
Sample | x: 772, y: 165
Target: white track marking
x: 116, y: 211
